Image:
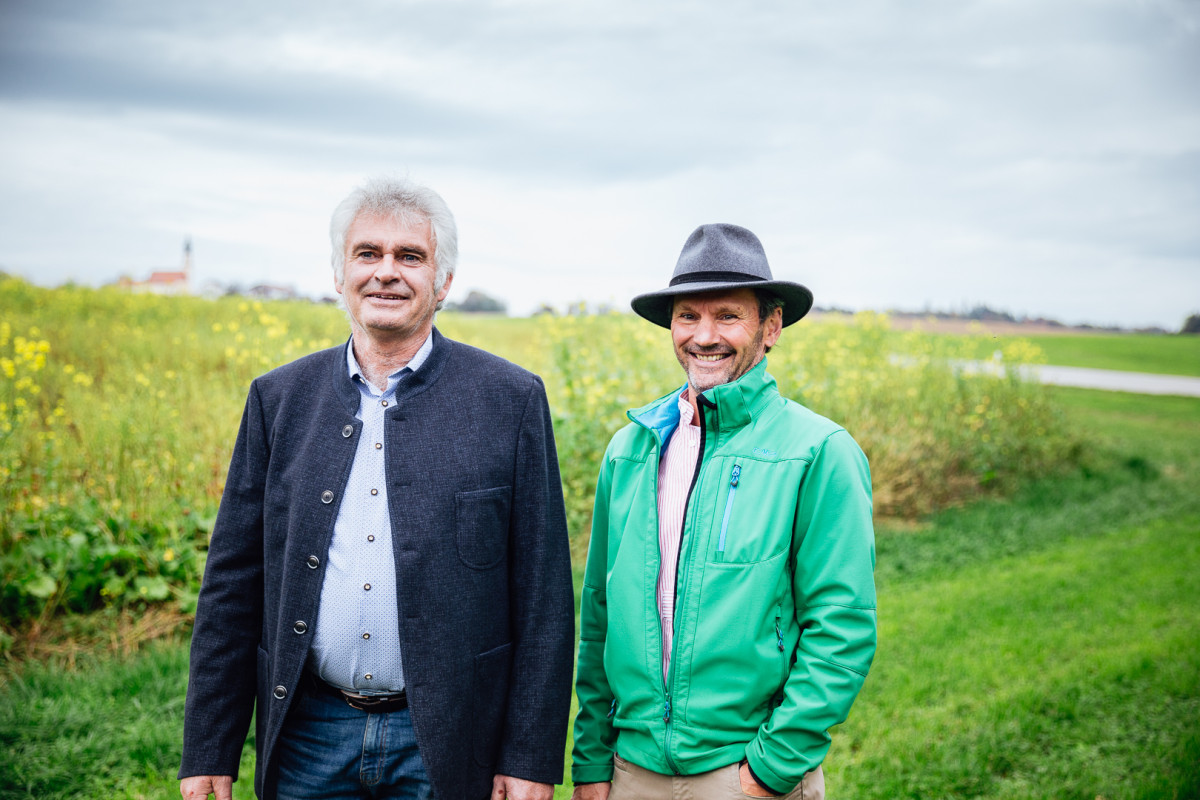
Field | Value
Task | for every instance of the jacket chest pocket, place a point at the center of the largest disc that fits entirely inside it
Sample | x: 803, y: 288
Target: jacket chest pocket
x: 746, y: 516
x: 481, y: 526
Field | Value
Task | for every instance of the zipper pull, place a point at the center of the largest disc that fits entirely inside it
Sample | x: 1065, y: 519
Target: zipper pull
x: 779, y: 636
x: 667, y: 710
x: 613, y: 708
x: 737, y: 472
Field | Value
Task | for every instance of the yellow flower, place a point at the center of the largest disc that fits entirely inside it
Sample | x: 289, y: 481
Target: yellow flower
x: 168, y: 555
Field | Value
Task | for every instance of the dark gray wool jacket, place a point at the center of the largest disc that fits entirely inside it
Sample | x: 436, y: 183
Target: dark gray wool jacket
x: 480, y: 545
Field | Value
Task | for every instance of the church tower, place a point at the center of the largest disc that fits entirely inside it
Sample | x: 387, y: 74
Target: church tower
x: 187, y: 260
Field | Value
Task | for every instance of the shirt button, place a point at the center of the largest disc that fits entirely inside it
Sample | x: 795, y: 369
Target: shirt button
x: 348, y: 431
x: 367, y: 586
x: 368, y: 676
x: 383, y: 403
x: 327, y: 497
x: 300, y: 627
x: 313, y: 562
x: 379, y: 445
x: 374, y: 492
x: 366, y: 636
x: 280, y: 692
x: 371, y: 537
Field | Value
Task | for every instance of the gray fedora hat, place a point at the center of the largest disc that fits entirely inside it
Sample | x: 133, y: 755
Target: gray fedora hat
x: 721, y: 257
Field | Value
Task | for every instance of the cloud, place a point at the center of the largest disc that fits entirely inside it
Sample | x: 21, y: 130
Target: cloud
x: 889, y: 153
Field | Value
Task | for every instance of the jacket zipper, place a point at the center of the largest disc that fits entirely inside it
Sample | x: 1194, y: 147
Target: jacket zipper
x: 733, y: 485
x: 678, y: 567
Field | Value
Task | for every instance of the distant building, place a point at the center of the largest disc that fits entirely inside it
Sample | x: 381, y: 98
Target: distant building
x: 164, y: 281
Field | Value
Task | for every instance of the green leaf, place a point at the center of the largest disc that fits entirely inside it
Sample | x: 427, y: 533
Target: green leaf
x: 152, y: 588
x: 41, y: 586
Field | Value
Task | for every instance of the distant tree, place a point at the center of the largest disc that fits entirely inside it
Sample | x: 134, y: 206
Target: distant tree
x: 1191, y: 324
x: 986, y: 314
x: 477, y: 302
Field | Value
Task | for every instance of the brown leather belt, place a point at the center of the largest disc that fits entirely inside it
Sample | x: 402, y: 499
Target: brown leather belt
x: 371, y: 703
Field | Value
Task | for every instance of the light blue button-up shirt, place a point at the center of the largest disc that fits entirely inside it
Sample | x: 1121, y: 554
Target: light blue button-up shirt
x: 356, y: 644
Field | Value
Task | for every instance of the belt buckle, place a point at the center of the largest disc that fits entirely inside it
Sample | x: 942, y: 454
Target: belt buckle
x: 364, y: 702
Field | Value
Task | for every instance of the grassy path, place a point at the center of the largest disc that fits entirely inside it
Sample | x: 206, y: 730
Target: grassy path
x: 1043, y: 646
x: 1131, y: 352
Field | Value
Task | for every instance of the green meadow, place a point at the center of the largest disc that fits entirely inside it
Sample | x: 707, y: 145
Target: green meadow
x: 1166, y: 354
x: 1038, y: 594
x: 1046, y: 645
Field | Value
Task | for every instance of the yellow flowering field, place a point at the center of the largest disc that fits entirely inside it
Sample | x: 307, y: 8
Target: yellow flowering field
x: 118, y: 414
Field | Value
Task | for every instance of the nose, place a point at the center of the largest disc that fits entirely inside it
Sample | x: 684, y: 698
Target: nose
x: 387, y: 270
x: 705, y: 332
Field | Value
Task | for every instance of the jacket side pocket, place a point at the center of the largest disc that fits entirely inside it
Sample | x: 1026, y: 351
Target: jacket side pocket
x: 489, y: 702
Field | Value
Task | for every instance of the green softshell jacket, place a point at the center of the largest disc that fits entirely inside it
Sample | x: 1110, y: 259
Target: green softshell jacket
x: 775, y: 594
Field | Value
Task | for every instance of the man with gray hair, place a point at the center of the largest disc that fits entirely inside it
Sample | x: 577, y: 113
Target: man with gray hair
x: 388, y: 582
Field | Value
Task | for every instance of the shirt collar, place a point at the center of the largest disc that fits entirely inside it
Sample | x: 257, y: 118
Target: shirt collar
x: 414, y: 364
x: 685, y: 408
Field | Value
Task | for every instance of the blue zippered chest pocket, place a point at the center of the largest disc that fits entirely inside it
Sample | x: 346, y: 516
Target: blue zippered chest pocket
x: 735, y: 478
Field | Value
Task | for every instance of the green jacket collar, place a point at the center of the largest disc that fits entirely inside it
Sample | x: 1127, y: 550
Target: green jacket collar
x: 736, y: 404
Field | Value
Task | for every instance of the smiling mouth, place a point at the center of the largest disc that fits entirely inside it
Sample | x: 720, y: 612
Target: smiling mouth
x: 376, y: 296
x: 710, y: 358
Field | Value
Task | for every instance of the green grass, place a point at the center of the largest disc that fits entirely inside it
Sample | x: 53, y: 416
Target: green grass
x: 1043, y: 646
x: 1047, y: 646
x: 1071, y: 671
x: 1174, y: 354
x: 109, y: 728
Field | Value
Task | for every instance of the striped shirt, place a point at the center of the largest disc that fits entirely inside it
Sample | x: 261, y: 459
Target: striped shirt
x: 675, y: 472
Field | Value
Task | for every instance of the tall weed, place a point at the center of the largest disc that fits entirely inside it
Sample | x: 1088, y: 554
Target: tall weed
x: 118, y: 413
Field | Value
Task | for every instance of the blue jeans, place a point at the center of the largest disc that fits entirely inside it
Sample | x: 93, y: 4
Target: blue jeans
x: 330, y: 751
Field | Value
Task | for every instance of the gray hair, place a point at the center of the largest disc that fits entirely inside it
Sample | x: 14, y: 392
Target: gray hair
x: 404, y: 201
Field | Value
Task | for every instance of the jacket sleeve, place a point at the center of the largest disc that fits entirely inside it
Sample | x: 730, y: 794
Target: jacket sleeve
x: 542, y: 605
x: 223, y: 670
x: 595, y: 736
x: 833, y: 548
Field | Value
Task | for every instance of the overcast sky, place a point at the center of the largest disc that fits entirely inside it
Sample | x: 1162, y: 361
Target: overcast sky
x: 1039, y: 157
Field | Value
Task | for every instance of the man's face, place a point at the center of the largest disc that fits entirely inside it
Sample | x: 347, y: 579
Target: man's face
x: 389, y: 277
x: 718, y: 336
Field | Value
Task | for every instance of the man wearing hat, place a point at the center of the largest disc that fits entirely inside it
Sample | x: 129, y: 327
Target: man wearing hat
x: 728, y: 608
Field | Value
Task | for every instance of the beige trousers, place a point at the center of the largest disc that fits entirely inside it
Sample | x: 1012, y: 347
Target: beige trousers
x: 631, y: 782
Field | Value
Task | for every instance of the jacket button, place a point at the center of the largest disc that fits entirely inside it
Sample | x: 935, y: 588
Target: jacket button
x: 326, y: 497
x: 313, y: 562
x: 348, y: 431
x: 300, y: 627
x: 280, y: 692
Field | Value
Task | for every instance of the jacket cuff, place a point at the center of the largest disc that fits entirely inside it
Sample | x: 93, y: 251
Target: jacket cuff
x: 591, y: 773
x: 766, y: 786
